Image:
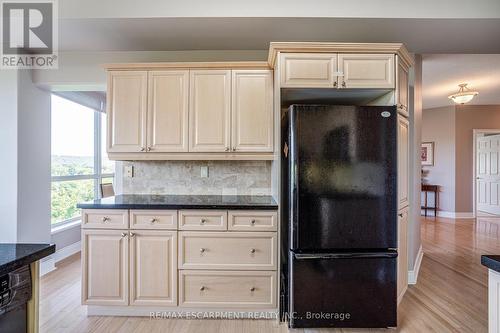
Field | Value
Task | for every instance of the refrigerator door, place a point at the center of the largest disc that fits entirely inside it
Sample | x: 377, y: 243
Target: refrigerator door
x: 343, y: 177
x: 336, y: 290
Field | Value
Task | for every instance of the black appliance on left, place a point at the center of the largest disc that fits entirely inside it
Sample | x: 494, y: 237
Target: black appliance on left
x: 15, y: 292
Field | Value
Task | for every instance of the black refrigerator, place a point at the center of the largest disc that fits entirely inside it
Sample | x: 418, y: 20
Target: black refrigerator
x: 339, y: 216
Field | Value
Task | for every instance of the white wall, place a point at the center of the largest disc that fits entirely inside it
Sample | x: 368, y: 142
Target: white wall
x: 8, y: 147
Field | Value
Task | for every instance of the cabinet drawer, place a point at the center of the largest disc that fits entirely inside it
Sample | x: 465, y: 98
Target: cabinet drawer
x: 252, y: 221
x: 153, y: 219
x: 227, y: 289
x: 308, y: 70
x: 202, y: 220
x: 227, y: 250
x: 105, y: 219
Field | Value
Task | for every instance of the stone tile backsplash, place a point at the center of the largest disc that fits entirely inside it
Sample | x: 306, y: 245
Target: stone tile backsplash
x: 184, y: 177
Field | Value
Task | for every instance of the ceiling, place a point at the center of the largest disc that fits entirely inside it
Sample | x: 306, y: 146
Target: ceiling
x: 245, y: 33
x: 441, y: 74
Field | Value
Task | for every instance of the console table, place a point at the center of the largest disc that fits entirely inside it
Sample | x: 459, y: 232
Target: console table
x: 426, y: 188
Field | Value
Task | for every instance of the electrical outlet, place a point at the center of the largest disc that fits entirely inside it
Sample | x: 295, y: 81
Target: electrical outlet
x: 128, y: 170
x: 204, y: 172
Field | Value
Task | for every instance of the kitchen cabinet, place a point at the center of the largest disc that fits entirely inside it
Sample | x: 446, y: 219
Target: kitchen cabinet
x: 127, y: 108
x: 252, y: 111
x: 402, y: 252
x: 210, y: 110
x: 167, y: 119
x: 105, y: 267
x: 366, y: 71
x: 403, y: 162
x: 307, y: 70
x: 153, y: 268
x: 402, y: 90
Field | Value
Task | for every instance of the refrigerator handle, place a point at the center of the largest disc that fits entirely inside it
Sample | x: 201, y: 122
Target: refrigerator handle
x: 352, y: 255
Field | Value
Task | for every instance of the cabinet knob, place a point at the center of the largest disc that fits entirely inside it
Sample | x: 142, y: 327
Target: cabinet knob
x: 252, y: 251
x: 124, y: 234
x: 400, y: 214
x: 148, y: 149
x: 202, y: 250
x: 153, y: 220
x: 252, y: 289
x: 203, y: 221
x: 253, y: 222
x: 132, y: 234
x: 202, y: 288
x: 105, y: 219
x: 227, y: 149
x: 143, y: 149
x: 335, y: 84
x: 234, y: 148
x: 343, y: 84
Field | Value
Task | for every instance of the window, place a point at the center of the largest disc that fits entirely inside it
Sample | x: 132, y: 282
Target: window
x: 79, y: 160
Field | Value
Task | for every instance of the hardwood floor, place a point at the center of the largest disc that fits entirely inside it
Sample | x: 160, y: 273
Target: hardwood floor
x: 451, y: 294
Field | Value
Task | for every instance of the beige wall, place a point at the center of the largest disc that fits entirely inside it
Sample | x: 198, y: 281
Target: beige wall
x: 469, y: 117
x: 438, y: 126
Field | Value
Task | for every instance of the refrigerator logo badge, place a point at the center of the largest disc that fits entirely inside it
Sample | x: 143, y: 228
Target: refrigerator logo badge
x: 385, y: 114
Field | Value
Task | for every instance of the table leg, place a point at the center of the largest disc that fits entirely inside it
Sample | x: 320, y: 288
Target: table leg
x: 425, y: 205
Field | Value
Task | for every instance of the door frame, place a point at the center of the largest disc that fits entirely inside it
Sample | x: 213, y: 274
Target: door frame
x: 475, y: 135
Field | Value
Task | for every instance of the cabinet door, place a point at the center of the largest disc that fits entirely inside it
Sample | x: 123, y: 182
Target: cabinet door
x: 104, y: 267
x: 209, y: 110
x: 302, y: 70
x: 403, y: 162
x: 402, y: 91
x: 127, y: 103
x: 153, y: 268
x: 168, y: 111
x: 402, y: 252
x: 252, y: 111
x: 366, y: 70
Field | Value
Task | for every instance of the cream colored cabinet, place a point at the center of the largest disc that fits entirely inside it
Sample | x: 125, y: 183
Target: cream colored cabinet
x: 366, y: 71
x: 403, y: 162
x: 402, y: 89
x: 105, y: 267
x: 153, y: 219
x: 153, y: 268
x: 252, y: 111
x: 210, y: 110
x: 402, y: 252
x: 127, y: 108
x: 105, y: 219
x: 308, y: 70
x: 167, y: 120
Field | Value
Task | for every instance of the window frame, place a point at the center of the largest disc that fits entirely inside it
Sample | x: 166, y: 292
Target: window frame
x: 97, y: 176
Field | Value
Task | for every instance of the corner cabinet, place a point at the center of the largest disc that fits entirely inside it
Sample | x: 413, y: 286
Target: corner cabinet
x: 194, y: 113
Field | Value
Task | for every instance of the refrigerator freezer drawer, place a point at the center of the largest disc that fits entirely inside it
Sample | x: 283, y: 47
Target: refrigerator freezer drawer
x: 343, y: 292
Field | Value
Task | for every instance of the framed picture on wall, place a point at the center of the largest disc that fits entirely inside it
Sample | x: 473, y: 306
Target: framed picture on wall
x: 427, y: 153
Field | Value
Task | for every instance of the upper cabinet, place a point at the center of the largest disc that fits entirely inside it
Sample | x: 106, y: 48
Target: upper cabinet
x: 308, y: 70
x: 366, y: 71
x: 210, y: 110
x: 342, y: 70
x: 127, y: 104
x: 402, y: 89
x: 191, y: 113
x: 167, y: 120
x: 252, y: 111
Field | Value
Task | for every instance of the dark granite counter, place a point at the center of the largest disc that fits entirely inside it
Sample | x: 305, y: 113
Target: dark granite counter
x: 13, y: 256
x: 144, y: 201
x: 491, y: 261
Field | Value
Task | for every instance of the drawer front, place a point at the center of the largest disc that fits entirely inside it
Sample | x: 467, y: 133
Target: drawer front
x: 153, y: 219
x: 227, y: 289
x: 105, y: 219
x: 252, y: 221
x: 308, y: 70
x: 202, y: 220
x: 227, y: 250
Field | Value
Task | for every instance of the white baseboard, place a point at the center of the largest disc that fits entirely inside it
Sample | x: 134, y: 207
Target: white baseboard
x: 49, y: 264
x: 451, y: 215
x: 413, y: 274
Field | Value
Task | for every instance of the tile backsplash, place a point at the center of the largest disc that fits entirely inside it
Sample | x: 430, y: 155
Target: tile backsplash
x: 184, y: 177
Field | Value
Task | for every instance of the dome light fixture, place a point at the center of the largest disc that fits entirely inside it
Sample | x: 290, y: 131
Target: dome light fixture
x: 464, y: 94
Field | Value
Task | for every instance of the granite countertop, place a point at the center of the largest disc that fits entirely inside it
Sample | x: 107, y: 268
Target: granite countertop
x: 145, y: 201
x: 491, y: 261
x: 13, y: 256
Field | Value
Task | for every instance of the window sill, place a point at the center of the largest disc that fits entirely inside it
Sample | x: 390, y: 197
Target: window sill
x: 64, y: 227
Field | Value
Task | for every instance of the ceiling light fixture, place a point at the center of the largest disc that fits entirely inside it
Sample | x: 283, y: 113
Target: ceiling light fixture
x: 464, y: 94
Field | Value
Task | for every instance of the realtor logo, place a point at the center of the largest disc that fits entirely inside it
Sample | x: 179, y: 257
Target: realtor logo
x: 29, y: 34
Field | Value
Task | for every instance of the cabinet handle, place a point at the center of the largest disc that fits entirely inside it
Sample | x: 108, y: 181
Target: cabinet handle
x: 203, y: 221
x: 143, y: 149
x: 202, y: 288
x: 105, y: 219
x: 252, y: 289
x: 132, y: 234
x: 234, y: 148
x: 343, y: 84
x: 227, y: 149
x: 252, y: 251
x: 124, y: 234
x: 202, y: 250
x: 400, y: 215
x: 335, y: 84
x: 153, y: 220
x: 149, y: 149
x: 253, y: 222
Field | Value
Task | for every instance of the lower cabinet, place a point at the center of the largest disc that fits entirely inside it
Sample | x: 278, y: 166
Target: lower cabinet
x: 402, y: 252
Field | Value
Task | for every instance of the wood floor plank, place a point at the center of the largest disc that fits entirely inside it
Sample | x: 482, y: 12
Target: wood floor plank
x: 450, y: 296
